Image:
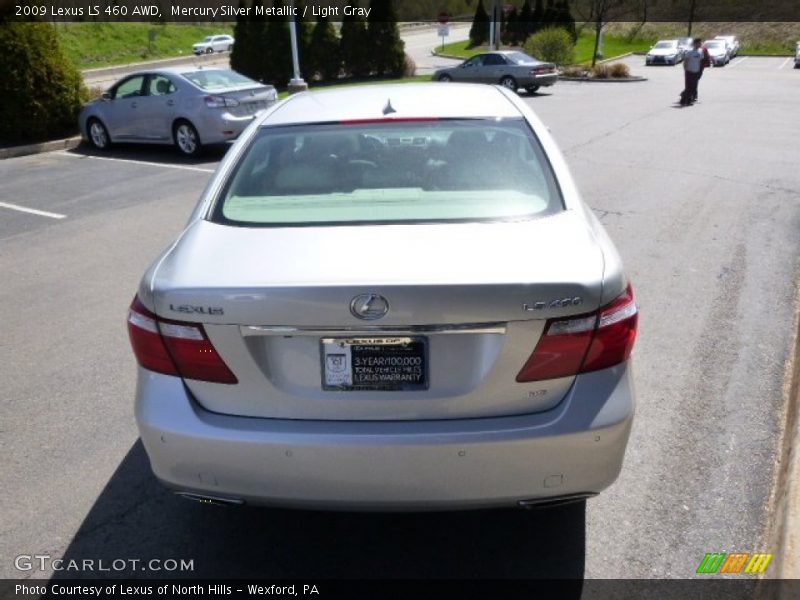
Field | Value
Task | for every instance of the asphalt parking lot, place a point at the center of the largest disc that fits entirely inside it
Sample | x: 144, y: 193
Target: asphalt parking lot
x: 704, y: 205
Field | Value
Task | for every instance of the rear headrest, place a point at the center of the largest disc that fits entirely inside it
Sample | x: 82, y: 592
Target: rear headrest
x: 323, y: 146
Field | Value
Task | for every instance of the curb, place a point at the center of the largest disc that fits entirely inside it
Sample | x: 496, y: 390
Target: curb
x: 100, y: 72
x: 15, y: 151
x: 605, y: 60
x: 434, y: 52
x: 784, y: 531
x: 607, y: 80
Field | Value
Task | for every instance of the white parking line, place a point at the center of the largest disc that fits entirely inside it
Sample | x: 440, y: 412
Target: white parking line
x: 33, y: 211
x: 738, y: 62
x: 784, y: 63
x: 136, y: 162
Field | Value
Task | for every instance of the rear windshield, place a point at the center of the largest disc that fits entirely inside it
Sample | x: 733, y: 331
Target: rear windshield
x: 520, y: 58
x: 390, y: 172
x: 217, y: 79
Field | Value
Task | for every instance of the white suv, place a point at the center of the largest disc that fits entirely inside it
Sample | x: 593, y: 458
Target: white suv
x: 214, y: 43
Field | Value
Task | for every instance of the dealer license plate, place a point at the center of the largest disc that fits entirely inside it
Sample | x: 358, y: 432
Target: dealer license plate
x: 369, y: 364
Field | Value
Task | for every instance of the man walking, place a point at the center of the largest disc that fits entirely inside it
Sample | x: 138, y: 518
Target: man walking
x: 693, y: 64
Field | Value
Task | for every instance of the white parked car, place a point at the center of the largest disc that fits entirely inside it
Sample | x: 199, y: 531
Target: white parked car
x: 665, y: 52
x: 718, y: 51
x: 214, y: 43
x: 731, y: 42
x: 797, y: 56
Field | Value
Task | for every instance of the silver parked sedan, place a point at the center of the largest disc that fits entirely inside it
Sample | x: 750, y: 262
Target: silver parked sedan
x: 186, y: 106
x: 388, y: 297
x: 510, y: 68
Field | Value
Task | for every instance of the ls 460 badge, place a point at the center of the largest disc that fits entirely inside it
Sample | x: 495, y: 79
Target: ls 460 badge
x: 558, y: 303
x: 201, y: 310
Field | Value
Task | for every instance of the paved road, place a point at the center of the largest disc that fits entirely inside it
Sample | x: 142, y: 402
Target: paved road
x: 419, y: 42
x: 703, y: 204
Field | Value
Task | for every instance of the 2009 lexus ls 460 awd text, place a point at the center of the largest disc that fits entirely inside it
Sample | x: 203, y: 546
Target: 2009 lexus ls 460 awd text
x: 388, y: 298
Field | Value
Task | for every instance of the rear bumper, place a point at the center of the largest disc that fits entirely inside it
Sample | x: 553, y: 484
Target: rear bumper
x: 575, y: 448
x: 540, y: 80
x: 215, y: 126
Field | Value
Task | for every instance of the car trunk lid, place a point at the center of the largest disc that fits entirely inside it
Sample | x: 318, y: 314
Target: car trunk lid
x: 474, y: 297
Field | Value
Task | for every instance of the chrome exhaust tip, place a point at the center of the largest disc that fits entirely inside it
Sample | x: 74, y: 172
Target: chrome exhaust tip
x: 215, y: 500
x: 551, y: 502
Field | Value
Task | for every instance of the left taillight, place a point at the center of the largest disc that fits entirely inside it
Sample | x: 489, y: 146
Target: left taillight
x: 174, y: 347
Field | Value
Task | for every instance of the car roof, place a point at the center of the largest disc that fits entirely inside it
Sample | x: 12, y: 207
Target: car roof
x: 673, y: 40
x: 406, y: 100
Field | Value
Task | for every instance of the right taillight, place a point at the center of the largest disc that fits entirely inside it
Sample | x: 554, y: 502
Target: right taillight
x: 174, y: 347
x: 584, y: 343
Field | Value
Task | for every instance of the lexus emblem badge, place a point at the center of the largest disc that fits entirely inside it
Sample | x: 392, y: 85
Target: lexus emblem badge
x: 369, y: 307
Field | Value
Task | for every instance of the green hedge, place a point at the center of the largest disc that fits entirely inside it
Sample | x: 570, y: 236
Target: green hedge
x: 43, y: 91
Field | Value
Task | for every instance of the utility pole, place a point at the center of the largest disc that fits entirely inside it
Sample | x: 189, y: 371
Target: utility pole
x: 296, y: 83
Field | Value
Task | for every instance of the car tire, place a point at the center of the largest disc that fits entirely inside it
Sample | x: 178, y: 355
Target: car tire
x: 98, y: 134
x: 509, y: 83
x: 186, y: 138
x: 532, y: 89
x: 230, y: 47
x: 209, y: 50
x: 445, y: 78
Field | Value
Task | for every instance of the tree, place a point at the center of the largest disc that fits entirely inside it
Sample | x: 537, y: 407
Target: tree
x: 43, y: 91
x: 323, y: 53
x: 510, y: 34
x: 479, y: 31
x: 353, y: 46
x: 600, y: 12
x: 248, y: 32
x: 527, y: 20
x: 275, y: 56
x: 550, y: 15
x: 386, y: 48
x: 566, y: 20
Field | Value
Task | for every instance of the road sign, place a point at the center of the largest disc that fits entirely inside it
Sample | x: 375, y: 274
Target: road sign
x: 444, y: 17
x: 444, y: 31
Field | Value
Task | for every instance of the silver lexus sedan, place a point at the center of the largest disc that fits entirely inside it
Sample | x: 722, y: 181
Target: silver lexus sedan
x: 186, y: 106
x: 388, y: 298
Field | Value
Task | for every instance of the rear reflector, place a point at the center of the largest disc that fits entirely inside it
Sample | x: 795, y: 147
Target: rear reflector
x: 174, y: 347
x: 584, y: 343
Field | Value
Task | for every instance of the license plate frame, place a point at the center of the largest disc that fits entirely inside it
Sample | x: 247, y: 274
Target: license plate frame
x: 374, y: 364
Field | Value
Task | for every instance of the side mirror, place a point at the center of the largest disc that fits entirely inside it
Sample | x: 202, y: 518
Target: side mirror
x: 106, y: 96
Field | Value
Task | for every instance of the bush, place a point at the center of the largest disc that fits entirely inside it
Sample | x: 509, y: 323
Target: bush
x: 43, y: 91
x: 619, y: 71
x: 601, y: 71
x: 574, y: 71
x: 553, y: 44
x: 409, y: 67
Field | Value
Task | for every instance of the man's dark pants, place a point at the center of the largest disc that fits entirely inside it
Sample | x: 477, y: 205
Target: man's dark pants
x: 690, y: 87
